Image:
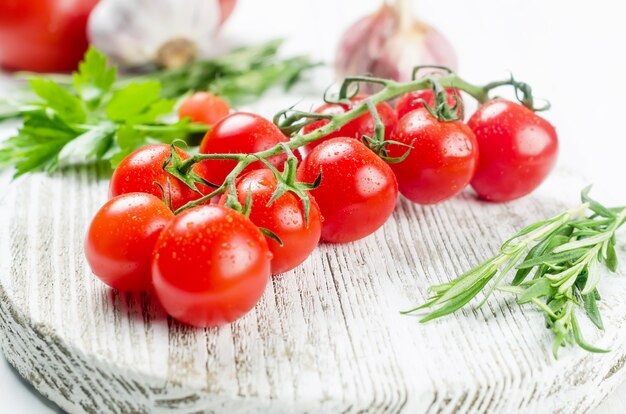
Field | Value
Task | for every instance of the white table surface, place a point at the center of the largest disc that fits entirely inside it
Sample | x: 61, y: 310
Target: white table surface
x: 571, y: 52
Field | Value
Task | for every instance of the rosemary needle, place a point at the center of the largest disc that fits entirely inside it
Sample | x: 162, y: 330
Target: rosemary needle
x: 564, y: 254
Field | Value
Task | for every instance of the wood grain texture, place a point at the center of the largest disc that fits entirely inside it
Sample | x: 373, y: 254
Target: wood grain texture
x: 326, y: 337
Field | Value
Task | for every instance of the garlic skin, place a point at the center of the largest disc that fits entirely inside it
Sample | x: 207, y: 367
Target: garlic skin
x: 227, y: 7
x: 390, y: 43
x: 168, y: 33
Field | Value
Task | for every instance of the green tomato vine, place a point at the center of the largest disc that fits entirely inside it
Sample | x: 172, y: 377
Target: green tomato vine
x: 292, y: 121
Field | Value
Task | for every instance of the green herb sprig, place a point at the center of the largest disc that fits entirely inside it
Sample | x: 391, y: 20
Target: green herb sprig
x: 89, y: 121
x: 94, y: 115
x: 238, y: 76
x: 564, y: 254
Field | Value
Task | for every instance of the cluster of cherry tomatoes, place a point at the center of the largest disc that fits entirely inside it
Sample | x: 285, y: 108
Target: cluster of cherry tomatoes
x: 209, y: 264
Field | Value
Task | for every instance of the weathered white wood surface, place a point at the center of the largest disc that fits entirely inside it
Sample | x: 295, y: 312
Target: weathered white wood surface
x: 326, y: 337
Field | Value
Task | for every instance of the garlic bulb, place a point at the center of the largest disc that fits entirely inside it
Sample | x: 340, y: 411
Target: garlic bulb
x: 390, y: 43
x: 226, y: 7
x: 168, y: 33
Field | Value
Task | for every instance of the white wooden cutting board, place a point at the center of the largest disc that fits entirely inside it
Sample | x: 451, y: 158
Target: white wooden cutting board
x: 326, y: 337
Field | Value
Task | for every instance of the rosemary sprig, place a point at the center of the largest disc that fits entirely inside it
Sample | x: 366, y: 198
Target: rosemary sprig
x: 566, y: 253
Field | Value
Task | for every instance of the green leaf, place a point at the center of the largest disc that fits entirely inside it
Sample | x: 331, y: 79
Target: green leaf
x: 66, y: 105
x: 258, y: 80
x: 541, y: 248
x: 133, y: 102
x: 240, y: 74
x: 521, y: 274
x: 611, y: 257
x: 513, y: 259
x: 127, y: 140
x: 582, y: 242
x: 538, y: 288
x: 593, y: 276
x: 530, y: 228
x: 37, y: 144
x: 553, y: 258
x: 591, y: 307
x: 94, y: 78
x: 556, y: 304
x: 154, y: 112
x: 588, y: 224
x: 243, y: 59
x: 458, y: 302
x: 89, y: 146
x: 559, y: 341
x: 469, y: 279
x: 516, y: 290
x: 594, y: 205
x: 580, y: 340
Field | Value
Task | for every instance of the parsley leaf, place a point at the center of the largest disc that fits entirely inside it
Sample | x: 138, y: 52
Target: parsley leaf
x: 127, y: 140
x: 93, y: 116
x: 133, y: 102
x: 87, y: 121
x: 57, y: 98
x: 89, y: 146
x: 37, y: 144
x: 94, y: 78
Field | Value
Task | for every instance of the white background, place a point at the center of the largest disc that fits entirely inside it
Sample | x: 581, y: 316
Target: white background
x: 571, y: 52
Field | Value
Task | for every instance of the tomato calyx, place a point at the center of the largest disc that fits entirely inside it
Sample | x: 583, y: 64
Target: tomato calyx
x: 442, y: 110
x: 269, y: 233
x: 377, y: 143
x: 232, y: 201
x: 177, y: 167
x: 286, y: 181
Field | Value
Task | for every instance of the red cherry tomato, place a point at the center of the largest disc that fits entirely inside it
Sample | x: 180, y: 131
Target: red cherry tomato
x: 358, y: 191
x: 240, y: 132
x: 442, y: 161
x: 204, y: 108
x: 518, y: 149
x: 121, y: 238
x: 210, y: 266
x: 43, y: 35
x: 410, y: 101
x: 363, y: 125
x: 141, y: 169
x: 284, y: 217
